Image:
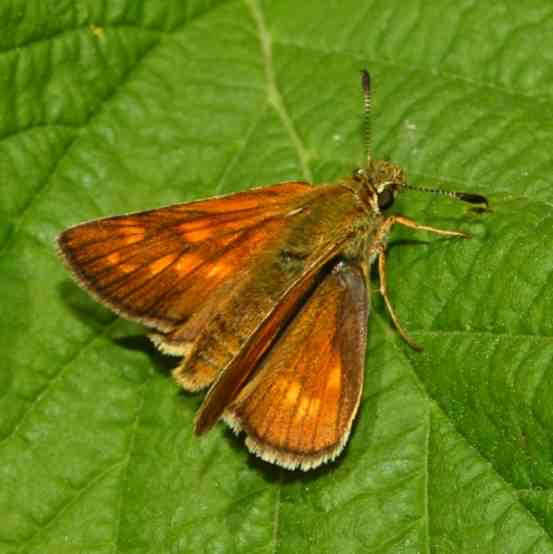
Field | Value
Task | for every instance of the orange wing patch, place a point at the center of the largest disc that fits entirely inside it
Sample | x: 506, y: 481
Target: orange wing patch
x: 298, y: 408
x: 159, y: 266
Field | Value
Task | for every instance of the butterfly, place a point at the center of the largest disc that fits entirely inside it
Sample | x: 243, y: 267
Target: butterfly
x: 263, y: 294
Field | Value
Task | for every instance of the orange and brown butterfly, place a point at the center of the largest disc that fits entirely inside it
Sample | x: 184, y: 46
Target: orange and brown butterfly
x: 263, y: 294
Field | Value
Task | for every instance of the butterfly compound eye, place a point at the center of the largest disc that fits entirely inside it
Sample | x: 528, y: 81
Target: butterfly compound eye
x: 385, y: 199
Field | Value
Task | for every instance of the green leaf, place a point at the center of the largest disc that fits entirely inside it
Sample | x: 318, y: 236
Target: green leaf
x: 110, y: 107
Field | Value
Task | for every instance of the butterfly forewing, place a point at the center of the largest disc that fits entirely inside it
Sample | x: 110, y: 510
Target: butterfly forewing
x: 298, y: 408
x: 158, y: 266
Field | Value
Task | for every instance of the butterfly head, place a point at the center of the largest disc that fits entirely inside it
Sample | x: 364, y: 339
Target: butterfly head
x: 381, y: 181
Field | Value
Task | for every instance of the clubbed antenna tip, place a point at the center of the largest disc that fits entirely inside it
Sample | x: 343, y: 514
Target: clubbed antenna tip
x: 366, y: 82
x: 472, y: 198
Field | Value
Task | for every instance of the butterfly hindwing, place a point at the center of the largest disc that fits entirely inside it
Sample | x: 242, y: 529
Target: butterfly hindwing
x: 298, y: 408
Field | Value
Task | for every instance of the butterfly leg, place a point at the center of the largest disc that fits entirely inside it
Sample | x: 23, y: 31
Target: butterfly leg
x: 407, y: 222
x: 389, y: 307
x: 383, y: 231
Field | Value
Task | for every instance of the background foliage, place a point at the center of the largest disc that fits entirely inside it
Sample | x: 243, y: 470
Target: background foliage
x: 110, y: 107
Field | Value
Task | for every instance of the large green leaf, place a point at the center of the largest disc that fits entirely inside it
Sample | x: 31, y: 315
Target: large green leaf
x: 108, y: 107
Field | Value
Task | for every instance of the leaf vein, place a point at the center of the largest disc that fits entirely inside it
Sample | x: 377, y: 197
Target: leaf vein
x: 276, y: 515
x: 59, y: 374
x: 432, y: 70
x: 69, y: 504
x: 273, y: 92
x: 229, y: 166
x: 125, y: 476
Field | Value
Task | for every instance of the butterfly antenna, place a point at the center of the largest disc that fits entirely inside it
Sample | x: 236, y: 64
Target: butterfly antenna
x: 463, y: 196
x: 367, y: 104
